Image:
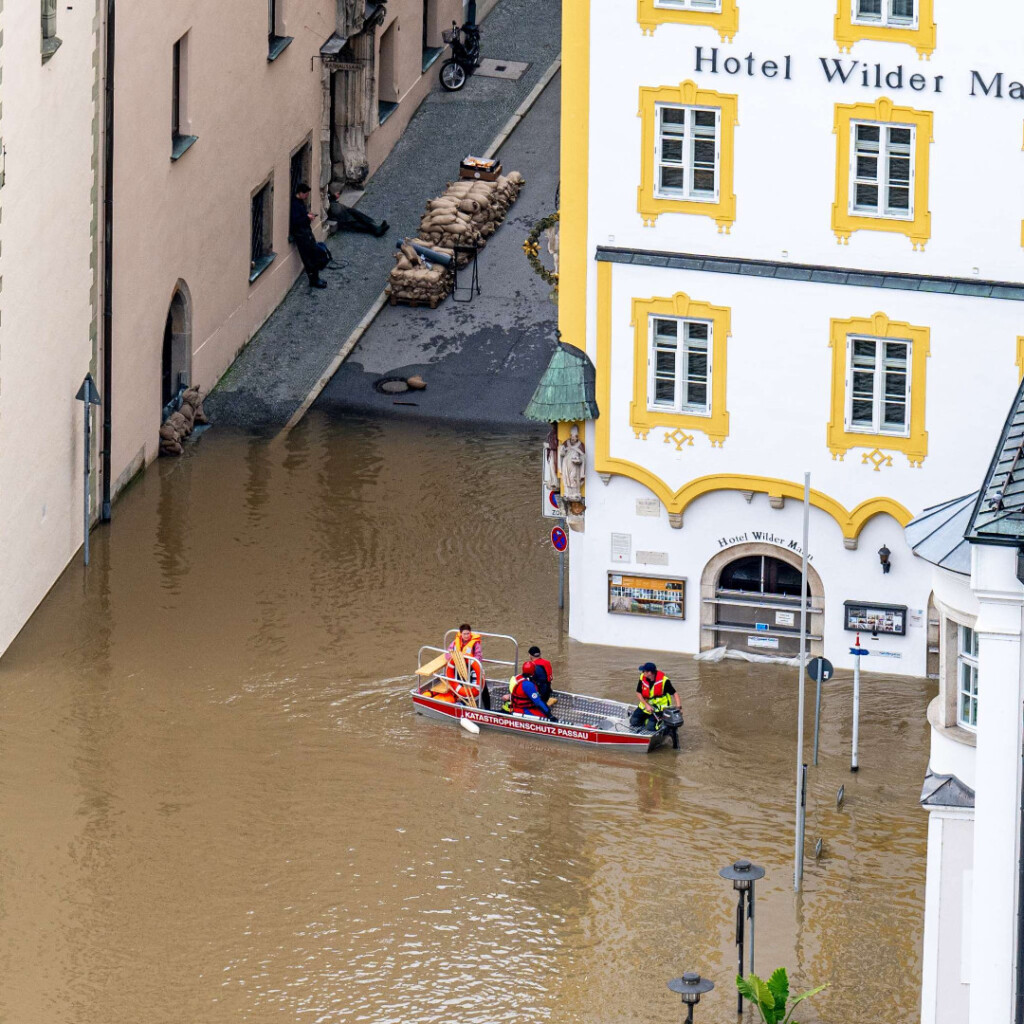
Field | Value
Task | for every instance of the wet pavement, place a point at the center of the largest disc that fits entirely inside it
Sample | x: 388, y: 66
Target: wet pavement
x: 481, y: 359
x: 217, y: 805
x: 276, y: 371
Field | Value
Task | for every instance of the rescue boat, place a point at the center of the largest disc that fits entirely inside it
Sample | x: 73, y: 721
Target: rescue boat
x: 448, y: 694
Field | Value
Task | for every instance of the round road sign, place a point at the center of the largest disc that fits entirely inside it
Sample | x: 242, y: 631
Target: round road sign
x: 553, y: 499
x: 559, y: 541
x: 820, y: 669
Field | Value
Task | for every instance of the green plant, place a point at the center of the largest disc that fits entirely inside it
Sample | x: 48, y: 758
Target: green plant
x: 532, y: 249
x: 771, y: 996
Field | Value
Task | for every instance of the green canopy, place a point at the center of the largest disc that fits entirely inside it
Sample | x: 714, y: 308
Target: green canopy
x: 565, y: 393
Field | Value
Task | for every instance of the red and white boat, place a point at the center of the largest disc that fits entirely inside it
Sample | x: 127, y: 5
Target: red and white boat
x: 580, y: 718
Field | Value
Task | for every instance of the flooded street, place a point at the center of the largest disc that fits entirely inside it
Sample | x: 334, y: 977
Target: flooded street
x: 217, y: 804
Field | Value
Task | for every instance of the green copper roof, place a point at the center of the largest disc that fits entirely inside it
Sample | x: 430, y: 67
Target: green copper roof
x: 565, y: 393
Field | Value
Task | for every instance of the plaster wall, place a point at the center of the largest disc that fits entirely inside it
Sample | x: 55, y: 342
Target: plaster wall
x: 189, y: 219
x: 785, y: 146
x: 718, y: 522
x: 47, y: 301
x: 945, y: 988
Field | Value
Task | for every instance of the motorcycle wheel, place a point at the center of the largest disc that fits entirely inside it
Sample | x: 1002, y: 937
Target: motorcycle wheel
x: 452, y: 75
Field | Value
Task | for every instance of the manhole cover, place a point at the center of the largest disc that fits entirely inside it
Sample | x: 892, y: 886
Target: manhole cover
x: 391, y: 385
x: 489, y: 67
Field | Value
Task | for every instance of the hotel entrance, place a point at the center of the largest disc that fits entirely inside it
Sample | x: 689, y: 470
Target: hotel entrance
x: 751, y: 602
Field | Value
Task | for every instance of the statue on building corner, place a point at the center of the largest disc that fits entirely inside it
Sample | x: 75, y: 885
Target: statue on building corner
x: 572, y: 462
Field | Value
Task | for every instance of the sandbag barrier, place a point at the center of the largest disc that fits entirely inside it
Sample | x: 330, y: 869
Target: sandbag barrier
x: 180, y: 424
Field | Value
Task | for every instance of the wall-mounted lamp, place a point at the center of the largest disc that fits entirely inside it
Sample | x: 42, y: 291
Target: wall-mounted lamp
x: 883, y: 557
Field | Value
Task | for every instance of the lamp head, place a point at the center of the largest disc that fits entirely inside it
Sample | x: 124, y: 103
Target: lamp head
x: 691, y: 986
x: 883, y: 557
x: 742, y: 873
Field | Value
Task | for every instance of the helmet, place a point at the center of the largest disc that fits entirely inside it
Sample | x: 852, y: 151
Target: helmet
x: 528, y: 667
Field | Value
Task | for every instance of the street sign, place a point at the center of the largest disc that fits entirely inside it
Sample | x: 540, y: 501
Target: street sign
x: 88, y: 394
x: 820, y: 670
x: 559, y: 541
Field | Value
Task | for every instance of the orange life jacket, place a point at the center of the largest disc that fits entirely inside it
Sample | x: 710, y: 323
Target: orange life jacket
x: 654, y: 693
x: 521, y: 703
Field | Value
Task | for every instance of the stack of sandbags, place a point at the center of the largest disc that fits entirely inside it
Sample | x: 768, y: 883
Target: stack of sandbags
x: 180, y: 424
x: 417, y: 280
x: 470, y: 211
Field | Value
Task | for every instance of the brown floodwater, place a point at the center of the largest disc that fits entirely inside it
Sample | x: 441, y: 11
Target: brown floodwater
x: 217, y: 804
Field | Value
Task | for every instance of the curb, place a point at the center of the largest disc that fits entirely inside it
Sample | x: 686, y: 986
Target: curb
x: 378, y: 304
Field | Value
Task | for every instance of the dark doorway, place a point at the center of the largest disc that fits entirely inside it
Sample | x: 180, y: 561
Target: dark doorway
x: 176, y: 355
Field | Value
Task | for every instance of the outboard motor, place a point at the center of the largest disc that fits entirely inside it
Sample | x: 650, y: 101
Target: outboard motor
x: 671, y: 719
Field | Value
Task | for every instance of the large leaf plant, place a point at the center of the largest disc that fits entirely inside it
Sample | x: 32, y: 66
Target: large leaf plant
x: 771, y: 996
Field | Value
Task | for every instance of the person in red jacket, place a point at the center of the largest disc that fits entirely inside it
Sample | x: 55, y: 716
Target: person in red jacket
x: 524, y: 698
x: 543, y: 675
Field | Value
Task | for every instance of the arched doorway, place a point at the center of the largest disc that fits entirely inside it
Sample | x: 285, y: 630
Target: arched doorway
x: 176, y: 361
x: 751, y: 601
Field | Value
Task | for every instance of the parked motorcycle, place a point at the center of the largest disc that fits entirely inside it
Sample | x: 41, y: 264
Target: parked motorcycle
x: 465, y: 58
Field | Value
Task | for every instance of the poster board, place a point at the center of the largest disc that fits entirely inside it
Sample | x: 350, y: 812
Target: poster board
x: 662, y: 597
x: 874, y: 618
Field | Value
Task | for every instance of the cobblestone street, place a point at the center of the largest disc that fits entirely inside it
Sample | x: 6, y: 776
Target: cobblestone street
x: 275, y: 372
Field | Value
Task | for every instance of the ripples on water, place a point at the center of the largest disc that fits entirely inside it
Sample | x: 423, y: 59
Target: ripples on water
x: 218, y: 806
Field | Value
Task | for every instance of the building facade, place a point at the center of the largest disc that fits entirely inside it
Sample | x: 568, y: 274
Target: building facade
x: 50, y: 135
x: 768, y: 254
x: 973, y: 953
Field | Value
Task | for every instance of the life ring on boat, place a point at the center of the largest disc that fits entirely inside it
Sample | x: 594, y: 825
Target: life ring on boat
x: 474, y: 687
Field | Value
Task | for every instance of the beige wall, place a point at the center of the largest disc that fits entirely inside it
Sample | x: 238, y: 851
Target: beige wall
x: 189, y: 220
x: 46, y: 297
x: 409, y: 84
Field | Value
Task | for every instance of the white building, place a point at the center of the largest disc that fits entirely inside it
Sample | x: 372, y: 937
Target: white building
x: 790, y: 241
x: 973, y: 972
x: 49, y: 145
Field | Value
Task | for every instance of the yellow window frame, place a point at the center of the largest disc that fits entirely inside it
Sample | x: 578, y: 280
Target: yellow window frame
x: 922, y: 38
x: 642, y: 418
x: 840, y: 441
x: 844, y: 222
x: 687, y: 94
x: 726, y: 21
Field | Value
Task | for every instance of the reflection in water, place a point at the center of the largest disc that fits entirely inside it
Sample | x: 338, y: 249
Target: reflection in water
x: 217, y: 804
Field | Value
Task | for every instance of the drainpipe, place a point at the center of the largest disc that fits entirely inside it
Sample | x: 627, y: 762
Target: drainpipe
x: 108, y: 252
x: 1018, y: 1016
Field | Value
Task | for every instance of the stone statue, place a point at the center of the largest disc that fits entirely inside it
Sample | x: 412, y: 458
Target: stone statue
x: 572, y: 461
x: 551, y: 458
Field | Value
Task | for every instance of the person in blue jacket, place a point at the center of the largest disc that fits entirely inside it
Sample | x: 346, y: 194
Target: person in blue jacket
x: 525, y: 698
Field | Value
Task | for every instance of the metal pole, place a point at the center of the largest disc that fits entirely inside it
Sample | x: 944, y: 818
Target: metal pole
x: 750, y: 915
x: 561, y: 571
x: 85, y: 488
x: 739, y: 943
x: 817, y: 711
x: 798, y: 841
x: 856, y: 710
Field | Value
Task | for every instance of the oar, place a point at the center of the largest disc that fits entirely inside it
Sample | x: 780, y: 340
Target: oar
x: 462, y: 669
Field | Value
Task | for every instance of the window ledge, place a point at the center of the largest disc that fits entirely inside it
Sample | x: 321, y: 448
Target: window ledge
x: 260, y: 265
x: 50, y: 47
x: 276, y: 45
x: 181, y: 144
x: 385, y: 110
x: 430, y: 54
x: 956, y: 733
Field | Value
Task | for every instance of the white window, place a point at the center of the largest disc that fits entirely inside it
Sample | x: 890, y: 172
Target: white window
x: 690, y: 5
x: 883, y: 170
x: 967, y: 678
x: 877, y: 386
x: 897, y: 13
x: 679, y: 361
x: 687, y: 152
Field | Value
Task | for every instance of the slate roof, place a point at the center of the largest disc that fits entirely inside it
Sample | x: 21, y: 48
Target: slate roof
x: 937, y: 534
x: 565, y: 393
x: 998, y: 515
x: 945, y: 791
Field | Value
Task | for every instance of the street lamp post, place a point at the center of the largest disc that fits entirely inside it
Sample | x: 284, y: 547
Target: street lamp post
x: 691, y: 986
x: 743, y: 875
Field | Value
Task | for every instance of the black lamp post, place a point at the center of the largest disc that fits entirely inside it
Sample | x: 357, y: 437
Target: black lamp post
x: 691, y: 986
x: 743, y: 875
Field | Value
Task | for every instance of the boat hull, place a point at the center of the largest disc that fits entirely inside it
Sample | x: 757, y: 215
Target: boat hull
x: 568, y: 732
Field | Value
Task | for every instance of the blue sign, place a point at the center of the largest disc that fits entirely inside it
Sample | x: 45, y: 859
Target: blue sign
x: 559, y: 541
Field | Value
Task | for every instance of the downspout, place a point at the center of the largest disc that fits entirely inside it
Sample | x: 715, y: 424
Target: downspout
x: 108, y: 252
x: 1018, y: 1015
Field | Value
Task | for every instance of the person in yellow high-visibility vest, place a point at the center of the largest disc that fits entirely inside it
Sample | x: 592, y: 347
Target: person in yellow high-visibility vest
x: 656, y: 693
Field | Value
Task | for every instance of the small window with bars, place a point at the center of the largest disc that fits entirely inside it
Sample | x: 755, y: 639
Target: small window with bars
x: 300, y: 168
x: 967, y: 678
x: 687, y: 152
x: 262, y: 230
x: 894, y: 13
x: 883, y: 170
x: 679, y: 363
x: 878, y: 386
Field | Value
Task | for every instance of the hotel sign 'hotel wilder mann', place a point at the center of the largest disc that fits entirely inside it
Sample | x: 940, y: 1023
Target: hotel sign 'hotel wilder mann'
x: 854, y: 73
